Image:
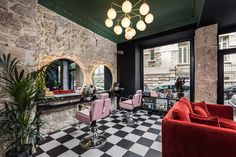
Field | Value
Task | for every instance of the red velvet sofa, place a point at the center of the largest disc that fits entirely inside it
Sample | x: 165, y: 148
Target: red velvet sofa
x: 188, y: 139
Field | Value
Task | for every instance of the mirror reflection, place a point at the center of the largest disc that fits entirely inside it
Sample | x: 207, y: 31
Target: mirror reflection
x: 102, y: 78
x: 64, y: 74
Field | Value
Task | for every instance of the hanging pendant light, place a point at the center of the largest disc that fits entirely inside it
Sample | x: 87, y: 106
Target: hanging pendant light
x: 118, y: 29
x: 144, y: 9
x: 141, y: 25
x: 126, y: 13
x: 149, y: 18
x: 125, y: 22
x: 127, y: 6
x: 109, y: 23
x: 111, y: 13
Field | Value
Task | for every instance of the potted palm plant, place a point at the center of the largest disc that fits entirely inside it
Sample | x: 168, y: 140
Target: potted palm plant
x: 19, y: 120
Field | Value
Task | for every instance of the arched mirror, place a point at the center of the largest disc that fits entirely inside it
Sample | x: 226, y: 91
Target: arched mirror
x: 64, y: 74
x: 102, y: 78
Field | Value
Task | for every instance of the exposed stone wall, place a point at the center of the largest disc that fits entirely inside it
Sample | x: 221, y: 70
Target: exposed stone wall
x: 38, y: 36
x: 206, y: 48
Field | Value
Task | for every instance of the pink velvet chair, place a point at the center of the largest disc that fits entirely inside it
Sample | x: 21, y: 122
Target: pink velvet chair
x: 100, y: 109
x: 131, y: 104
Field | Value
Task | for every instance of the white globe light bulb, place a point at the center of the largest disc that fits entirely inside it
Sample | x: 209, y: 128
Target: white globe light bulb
x: 127, y: 6
x: 109, y: 23
x: 111, y: 13
x: 149, y: 18
x: 118, y: 29
x: 125, y: 22
x: 141, y: 25
x: 133, y: 31
x: 144, y: 9
x: 128, y: 35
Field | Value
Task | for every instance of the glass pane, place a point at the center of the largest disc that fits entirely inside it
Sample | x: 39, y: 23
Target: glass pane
x: 185, y: 55
x: 230, y: 79
x: 152, y: 54
x: 227, y: 41
x: 180, y: 55
x: 160, y: 76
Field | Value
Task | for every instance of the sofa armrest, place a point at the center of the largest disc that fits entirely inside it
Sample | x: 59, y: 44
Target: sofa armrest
x: 186, y: 139
x: 223, y: 111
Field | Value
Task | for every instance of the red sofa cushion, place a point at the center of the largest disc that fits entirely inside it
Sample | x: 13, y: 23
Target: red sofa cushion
x: 198, y: 110
x: 178, y: 114
x: 203, y: 105
x: 187, y: 102
x: 227, y: 123
x: 212, y: 121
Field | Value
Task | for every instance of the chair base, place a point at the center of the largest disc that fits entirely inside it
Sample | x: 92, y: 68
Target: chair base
x: 89, y: 142
x: 129, y: 120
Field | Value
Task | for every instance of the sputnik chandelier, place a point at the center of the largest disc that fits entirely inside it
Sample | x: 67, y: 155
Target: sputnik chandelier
x: 126, y: 15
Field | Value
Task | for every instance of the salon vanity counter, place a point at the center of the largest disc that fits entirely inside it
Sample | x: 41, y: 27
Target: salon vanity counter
x: 59, y: 112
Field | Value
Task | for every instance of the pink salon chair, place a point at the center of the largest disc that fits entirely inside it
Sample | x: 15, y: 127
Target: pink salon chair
x: 100, y: 108
x: 131, y: 104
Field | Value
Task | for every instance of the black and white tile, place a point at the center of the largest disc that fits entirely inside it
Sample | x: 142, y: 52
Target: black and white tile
x: 141, y: 140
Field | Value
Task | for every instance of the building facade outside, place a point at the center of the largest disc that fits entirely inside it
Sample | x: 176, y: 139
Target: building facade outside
x: 166, y: 63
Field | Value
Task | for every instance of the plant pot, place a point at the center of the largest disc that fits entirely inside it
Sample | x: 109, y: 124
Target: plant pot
x: 26, y: 151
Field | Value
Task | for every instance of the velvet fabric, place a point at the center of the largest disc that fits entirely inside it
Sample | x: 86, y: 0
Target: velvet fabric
x: 200, y: 111
x: 227, y: 123
x: 202, y: 105
x: 187, y: 102
x: 212, y: 121
x: 188, y: 139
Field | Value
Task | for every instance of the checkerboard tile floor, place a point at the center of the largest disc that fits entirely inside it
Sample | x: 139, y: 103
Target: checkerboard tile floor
x: 141, y: 140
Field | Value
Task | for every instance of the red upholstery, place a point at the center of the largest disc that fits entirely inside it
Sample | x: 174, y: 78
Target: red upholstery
x: 187, y: 139
x: 212, y: 121
x: 202, y: 105
x: 227, y: 123
x: 187, y: 102
x: 200, y: 111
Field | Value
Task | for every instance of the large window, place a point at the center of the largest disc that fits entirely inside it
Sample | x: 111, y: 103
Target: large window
x: 227, y: 47
x: 171, y: 61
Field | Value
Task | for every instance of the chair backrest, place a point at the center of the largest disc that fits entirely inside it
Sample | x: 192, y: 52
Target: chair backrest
x: 137, y: 98
x: 100, y: 107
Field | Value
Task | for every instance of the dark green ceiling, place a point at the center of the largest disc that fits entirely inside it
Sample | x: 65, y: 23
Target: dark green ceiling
x: 168, y: 14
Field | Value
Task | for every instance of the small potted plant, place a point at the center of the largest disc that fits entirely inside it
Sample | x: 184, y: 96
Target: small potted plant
x: 88, y: 92
x: 20, y: 122
x: 179, y: 86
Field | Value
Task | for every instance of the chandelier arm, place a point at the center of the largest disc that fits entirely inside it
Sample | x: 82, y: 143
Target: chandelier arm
x: 119, y: 19
x: 137, y: 3
x: 136, y: 16
x: 117, y: 5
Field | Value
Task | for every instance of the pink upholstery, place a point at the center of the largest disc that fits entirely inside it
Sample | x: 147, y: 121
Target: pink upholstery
x: 130, y: 104
x: 100, y: 108
x: 103, y: 96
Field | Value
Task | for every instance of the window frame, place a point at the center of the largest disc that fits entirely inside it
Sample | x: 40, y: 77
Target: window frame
x: 183, y: 54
